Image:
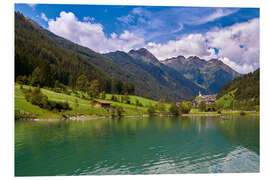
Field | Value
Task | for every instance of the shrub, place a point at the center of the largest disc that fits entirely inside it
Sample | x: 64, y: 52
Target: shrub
x: 20, y: 115
x: 36, y: 97
x: 114, y: 98
x: 174, y: 109
x: 242, y: 113
x: 22, y: 79
x: 202, y: 106
x: 185, y: 107
x: 117, y: 111
x: 138, y: 103
x: 151, y: 110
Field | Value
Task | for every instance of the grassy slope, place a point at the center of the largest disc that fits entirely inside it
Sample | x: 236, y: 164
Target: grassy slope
x: 227, y: 99
x: 84, y: 108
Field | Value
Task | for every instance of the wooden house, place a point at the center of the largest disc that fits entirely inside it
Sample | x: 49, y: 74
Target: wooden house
x: 103, y: 104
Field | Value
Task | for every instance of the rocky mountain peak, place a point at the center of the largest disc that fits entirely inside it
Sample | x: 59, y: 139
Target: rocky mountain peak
x: 144, y: 54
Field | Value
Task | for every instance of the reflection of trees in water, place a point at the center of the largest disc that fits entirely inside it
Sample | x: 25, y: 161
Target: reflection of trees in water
x: 200, y: 123
x: 241, y: 130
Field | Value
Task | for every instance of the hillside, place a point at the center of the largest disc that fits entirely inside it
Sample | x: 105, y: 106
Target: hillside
x: 84, y: 105
x: 42, y: 58
x: 247, y: 87
x: 171, y: 85
x: 212, y: 74
x: 163, y: 80
x: 41, y: 61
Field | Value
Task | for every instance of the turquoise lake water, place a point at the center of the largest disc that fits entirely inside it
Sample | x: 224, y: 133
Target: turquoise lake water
x: 159, y: 145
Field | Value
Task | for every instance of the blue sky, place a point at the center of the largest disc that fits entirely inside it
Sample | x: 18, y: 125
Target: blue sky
x: 229, y: 34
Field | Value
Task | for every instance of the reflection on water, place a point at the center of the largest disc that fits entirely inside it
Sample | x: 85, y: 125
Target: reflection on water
x: 137, y: 146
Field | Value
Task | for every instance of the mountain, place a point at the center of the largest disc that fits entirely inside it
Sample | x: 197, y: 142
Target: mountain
x: 212, y: 74
x: 247, y: 87
x: 143, y: 54
x: 162, y: 79
x: 43, y: 58
x: 42, y: 61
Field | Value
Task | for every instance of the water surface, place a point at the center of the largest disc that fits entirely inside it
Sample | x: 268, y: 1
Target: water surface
x: 160, y: 145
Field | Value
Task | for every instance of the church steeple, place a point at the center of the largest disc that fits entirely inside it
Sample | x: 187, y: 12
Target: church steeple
x: 200, y: 94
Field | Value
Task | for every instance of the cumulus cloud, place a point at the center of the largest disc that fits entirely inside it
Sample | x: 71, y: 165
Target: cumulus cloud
x: 237, y: 45
x: 91, y: 35
x: 193, y: 44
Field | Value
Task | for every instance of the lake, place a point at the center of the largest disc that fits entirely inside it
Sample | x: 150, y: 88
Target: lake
x: 158, y: 145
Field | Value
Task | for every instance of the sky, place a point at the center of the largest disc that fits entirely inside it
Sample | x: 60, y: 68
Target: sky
x: 228, y: 34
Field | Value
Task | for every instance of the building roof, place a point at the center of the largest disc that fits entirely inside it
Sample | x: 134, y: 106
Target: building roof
x: 102, y: 102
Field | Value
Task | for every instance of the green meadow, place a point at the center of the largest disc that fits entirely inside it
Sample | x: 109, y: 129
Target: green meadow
x: 84, y: 107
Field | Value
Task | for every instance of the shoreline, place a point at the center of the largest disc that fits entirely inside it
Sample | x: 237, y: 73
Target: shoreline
x: 78, y: 118
x: 141, y: 116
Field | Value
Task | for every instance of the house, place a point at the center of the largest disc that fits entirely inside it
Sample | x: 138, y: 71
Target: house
x: 103, y: 104
x: 208, y: 99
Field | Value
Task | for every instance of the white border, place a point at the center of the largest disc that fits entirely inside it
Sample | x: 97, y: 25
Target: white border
x: 202, y: 3
x: 7, y: 71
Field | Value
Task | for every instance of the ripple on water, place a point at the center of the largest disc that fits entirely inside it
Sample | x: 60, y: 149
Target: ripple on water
x: 107, y: 147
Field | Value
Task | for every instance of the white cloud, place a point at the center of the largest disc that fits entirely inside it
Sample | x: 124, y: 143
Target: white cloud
x: 239, y: 43
x: 44, y: 17
x: 126, y: 19
x: 190, y: 45
x: 219, y: 13
x: 91, y: 34
x: 33, y: 6
x: 238, y: 46
x: 244, y: 68
x: 87, y: 18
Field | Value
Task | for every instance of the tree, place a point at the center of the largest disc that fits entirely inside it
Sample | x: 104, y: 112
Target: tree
x: 151, y: 110
x: 138, y: 103
x: 94, y: 89
x: 185, y: 107
x: 76, y: 103
x: 126, y: 99
x: 35, y: 77
x: 82, y: 82
x: 119, y: 111
x: 22, y: 79
x: 202, y: 106
x: 219, y: 106
x: 128, y: 88
x: 114, y: 98
x: 161, y: 105
x: 174, y: 109
x: 117, y: 86
x: 43, y: 75
x: 103, y: 95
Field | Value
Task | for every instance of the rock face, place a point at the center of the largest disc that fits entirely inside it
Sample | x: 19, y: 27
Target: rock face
x: 212, y: 74
x: 143, y: 54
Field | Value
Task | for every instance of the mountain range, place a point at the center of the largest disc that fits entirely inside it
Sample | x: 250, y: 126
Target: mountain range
x: 38, y: 50
x: 211, y: 75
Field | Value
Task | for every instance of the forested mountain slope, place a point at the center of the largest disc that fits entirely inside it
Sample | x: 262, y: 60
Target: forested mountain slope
x: 162, y: 79
x: 42, y: 58
x: 248, y: 87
